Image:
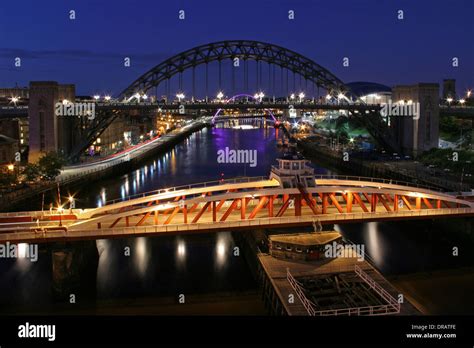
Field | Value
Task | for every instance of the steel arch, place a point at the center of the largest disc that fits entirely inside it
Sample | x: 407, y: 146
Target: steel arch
x: 244, y: 49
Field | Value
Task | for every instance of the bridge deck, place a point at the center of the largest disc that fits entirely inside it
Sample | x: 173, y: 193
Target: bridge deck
x: 235, y: 206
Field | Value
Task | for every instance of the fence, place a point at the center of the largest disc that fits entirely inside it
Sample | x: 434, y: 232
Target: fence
x: 392, y: 306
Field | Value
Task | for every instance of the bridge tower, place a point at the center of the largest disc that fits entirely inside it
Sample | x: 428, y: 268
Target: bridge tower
x: 47, y: 131
x: 421, y: 133
x: 449, y: 88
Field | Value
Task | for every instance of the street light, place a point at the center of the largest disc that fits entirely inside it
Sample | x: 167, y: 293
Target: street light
x: 145, y: 97
x: 469, y: 92
x: 97, y: 97
x: 180, y: 96
x: 107, y: 97
x: 462, y: 101
x: 449, y: 100
x: 14, y: 100
x: 301, y: 96
x: 220, y: 95
x: 11, y: 167
x: 292, y: 96
x: 328, y: 97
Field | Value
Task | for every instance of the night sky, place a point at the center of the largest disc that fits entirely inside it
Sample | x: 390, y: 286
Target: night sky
x: 89, y: 50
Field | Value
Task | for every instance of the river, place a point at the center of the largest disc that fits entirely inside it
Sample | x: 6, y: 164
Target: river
x: 205, y: 264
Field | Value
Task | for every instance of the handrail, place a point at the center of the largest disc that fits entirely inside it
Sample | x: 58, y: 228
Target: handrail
x: 24, y: 233
x: 308, y: 305
x: 376, y: 180
x: 237, y: 180
x: 392, y: 306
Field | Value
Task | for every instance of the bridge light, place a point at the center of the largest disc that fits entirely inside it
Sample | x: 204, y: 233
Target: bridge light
x: 145, y: 97
x: 468, y: 94
x: 449, y: 100
x: 340, y: 96
x: 71, y: 199
x: 11, y: 167
x: 220, y: 95
x: 292, y: 96
x: 180, y: 96
x: 462, y: 101
x: 107, y: 97
x: 301, y: 96
x: 97, y: 97
x: 328, y: 97
x: 14, y: 100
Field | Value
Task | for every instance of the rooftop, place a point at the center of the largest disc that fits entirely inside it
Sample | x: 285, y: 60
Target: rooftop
x: 314, y: 238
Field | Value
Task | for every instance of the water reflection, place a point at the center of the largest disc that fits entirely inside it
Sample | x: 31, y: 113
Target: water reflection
x: 222, y: 250
x: 374, y: 245
x: 23, y: 261
x: 180, y: 253
x: 141, y: 255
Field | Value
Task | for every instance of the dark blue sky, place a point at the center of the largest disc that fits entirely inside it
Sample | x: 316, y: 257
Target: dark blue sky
x: 89, y: 51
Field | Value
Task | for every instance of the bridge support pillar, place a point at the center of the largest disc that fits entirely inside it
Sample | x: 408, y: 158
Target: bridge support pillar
x: 243, y: 208
x: 297, y: 205
x: 374, y: 203
x: 325, y: 203
x: 418, y: 203
x: 270, y: 207
x: 214, y: 212
x: 185, y: 214
x: 395, y: 203
x: 74, y: 269
x: 349, y: 202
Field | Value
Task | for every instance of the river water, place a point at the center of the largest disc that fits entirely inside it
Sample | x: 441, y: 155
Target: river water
x: 205, y: 264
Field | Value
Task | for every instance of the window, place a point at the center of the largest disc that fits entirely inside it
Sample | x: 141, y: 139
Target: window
x: 299, y: 250
x: 278, y: 246
x: 288, y: 248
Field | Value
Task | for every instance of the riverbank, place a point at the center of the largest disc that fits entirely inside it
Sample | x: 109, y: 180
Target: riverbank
x: 86, y: 175
x: 245, y: 303
x: 369, y: 168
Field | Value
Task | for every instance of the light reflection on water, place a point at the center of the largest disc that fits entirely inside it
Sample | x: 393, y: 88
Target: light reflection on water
x: 164, y: 265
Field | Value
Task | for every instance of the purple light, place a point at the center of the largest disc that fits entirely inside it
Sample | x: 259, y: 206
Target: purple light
x: 238, y: 96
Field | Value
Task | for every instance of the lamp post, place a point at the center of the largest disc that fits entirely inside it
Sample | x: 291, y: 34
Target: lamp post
x: 301, y: 96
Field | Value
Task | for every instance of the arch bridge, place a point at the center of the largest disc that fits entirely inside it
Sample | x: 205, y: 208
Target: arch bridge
x: 218, y: 52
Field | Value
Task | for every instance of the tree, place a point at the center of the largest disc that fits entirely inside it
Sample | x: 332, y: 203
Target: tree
x: 31, y: 172
x: 7, y: 178
x: 50, y: 165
